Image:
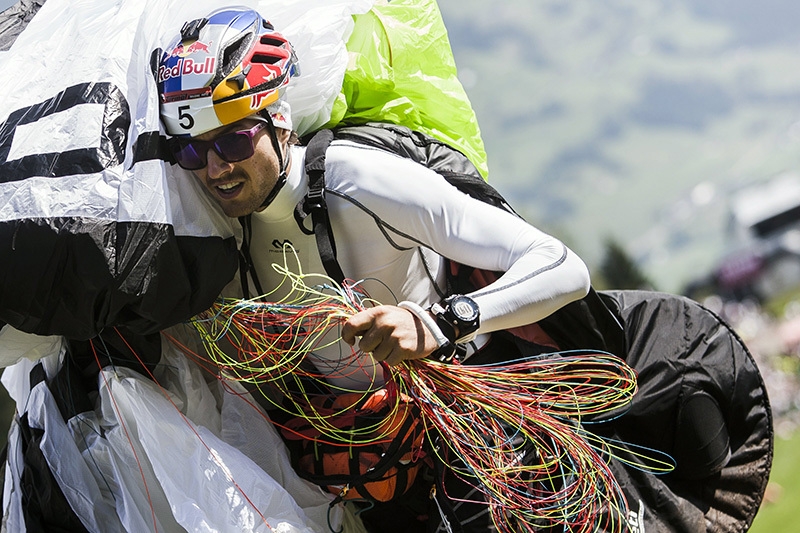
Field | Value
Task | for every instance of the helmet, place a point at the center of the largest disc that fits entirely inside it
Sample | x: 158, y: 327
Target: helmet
x: 222, y: 69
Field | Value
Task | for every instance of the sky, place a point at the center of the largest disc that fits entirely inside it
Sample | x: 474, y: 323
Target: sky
x: 6, y: 3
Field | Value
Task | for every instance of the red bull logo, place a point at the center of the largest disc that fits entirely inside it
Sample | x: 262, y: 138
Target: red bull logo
x: 177, y: 51
x: 183, y: 51
x: 256, y: 99
x: 196, y: 46
x: 186, y: 66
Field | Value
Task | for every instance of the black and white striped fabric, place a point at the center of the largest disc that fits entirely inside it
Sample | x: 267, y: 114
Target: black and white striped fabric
x: 101, y: 239
x: 96, y: 230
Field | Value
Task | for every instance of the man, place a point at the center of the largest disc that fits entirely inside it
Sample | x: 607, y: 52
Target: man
x: 395, y: 220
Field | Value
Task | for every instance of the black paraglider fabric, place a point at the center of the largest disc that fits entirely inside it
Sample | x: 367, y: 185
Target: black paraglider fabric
x: 44, y: 506
x: 699, y: 389
x: 109, y: 153
x: 79, y: 274
x: 75, y: 277
x: 15, y: 18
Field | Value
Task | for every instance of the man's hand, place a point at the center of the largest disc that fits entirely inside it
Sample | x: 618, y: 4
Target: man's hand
x: 390, y: 334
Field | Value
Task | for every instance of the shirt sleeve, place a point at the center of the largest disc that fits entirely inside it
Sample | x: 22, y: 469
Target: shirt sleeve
x: 415, y: 206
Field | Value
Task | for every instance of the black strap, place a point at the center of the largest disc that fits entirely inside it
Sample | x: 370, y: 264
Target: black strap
x: 191, y: 29
x: 314, y: 204
x: 245, y: 259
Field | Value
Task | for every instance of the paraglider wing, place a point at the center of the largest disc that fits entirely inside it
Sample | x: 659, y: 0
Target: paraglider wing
x: 94, y: 229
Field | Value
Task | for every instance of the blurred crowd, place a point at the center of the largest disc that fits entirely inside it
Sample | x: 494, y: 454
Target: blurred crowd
x: 775, y: 345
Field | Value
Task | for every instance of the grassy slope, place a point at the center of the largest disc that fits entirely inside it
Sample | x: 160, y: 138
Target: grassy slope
x: 778, y: 514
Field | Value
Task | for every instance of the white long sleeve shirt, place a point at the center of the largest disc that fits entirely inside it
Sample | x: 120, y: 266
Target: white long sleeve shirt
x: 394, y: 221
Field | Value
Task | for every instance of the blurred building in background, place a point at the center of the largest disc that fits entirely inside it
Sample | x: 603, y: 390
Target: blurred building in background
x: 762, y: 249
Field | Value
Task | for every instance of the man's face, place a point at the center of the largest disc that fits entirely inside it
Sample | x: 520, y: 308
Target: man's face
x: 241, y: 187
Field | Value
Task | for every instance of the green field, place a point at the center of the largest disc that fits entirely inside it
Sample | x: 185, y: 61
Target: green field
x: 778, y: 513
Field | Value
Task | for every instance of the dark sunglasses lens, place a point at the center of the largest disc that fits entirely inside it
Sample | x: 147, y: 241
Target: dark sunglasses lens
x: 189, y: 155
x: 234, y: 147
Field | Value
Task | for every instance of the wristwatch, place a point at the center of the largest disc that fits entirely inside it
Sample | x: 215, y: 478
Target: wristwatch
x: 458, y: 317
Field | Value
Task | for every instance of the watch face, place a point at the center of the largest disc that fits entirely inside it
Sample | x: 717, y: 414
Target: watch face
x: 464, y: 308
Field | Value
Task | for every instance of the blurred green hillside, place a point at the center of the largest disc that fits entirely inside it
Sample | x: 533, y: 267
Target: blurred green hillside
x: 632, y: 119
x: 777, y: 513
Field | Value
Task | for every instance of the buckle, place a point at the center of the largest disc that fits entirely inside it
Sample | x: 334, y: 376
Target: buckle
x: 449, y: 353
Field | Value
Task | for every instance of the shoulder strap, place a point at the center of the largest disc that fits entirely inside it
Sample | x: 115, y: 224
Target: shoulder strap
x: 314, y: 204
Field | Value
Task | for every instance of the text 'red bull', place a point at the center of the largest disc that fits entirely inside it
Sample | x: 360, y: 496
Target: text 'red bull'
x: 186, y: 66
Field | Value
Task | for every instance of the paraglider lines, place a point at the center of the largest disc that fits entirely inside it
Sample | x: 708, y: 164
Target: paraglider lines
x: 515, y: 430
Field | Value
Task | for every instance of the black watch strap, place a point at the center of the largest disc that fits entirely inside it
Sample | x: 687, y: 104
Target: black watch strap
x: 449, y: 352
x: 457, y: 316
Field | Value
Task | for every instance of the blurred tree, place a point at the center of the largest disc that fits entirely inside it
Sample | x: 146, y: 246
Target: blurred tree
x: 619, y: 271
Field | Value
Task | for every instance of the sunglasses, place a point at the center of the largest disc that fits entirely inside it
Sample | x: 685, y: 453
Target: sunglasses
x: 232, y: 147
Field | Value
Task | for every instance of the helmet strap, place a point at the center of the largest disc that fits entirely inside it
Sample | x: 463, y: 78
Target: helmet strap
x: 283, y: 163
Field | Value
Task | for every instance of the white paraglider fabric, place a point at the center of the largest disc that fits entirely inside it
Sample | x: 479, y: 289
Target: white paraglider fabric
x: 68, y: 44
x: 179, y: 452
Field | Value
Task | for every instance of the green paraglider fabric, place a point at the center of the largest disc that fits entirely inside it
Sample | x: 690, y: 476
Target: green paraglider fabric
x: 402, y: 70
